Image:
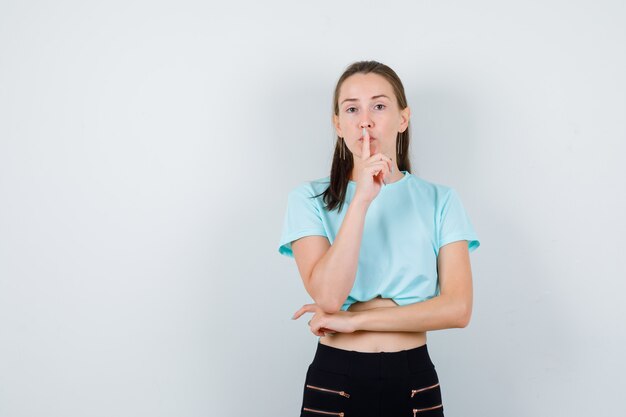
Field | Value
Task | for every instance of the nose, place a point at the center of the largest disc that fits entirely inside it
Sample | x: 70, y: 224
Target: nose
x: 365, y: 119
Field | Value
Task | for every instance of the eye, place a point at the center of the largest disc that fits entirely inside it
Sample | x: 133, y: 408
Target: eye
x: 379, y: 106
x: 349, y: 109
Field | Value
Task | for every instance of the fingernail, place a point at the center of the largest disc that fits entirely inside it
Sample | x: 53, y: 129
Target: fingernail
x: 364, y: 132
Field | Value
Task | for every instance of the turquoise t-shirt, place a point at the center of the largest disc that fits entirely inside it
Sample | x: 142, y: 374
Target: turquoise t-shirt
x: 405, y: 225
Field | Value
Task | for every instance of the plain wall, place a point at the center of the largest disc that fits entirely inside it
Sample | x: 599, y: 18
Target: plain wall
x: 146, y: 153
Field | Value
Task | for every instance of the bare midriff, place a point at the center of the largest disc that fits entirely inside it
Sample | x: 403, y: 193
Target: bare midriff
x: 369, y: 341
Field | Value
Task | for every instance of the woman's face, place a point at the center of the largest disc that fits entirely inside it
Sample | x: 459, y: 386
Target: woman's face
x: 367, y: 100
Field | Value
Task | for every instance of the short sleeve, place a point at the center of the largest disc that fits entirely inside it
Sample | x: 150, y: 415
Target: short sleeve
x: 455, y: 223
x: 302, y: 218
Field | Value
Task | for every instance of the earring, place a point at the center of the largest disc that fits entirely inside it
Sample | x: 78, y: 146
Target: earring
x: 399, y: 146
x: 342, y: 151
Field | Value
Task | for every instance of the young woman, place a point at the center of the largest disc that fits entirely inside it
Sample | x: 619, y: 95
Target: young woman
x: 385, y: 256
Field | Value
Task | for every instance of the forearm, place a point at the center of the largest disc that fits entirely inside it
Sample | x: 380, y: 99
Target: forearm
x: 333, y: 275
x: 441, y: 312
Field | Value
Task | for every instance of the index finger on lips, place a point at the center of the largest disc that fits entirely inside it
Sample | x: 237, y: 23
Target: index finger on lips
x: 365, y: 149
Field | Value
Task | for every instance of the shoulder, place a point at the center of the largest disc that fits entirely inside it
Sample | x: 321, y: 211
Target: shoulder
x: 310, y: 188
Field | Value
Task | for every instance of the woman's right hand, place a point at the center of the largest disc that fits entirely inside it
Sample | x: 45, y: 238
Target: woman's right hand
x: 374, y: 173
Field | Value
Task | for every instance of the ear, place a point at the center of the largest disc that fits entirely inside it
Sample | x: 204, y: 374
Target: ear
x: 405, y: 116
x: 337, y: 125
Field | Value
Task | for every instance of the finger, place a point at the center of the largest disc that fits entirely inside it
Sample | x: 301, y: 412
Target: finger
x: 387, y: 172
x: 365, y: 149
x: 317, y: 330
x: 304, y: 309
x: 379, y: 164
x: 299, y: 313
x: 381, y: 172
x: 379, y: 157
x: 378, y: 167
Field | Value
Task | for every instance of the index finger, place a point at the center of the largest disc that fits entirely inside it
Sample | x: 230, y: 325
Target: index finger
x: 304, y: 309
x: 365, y: 149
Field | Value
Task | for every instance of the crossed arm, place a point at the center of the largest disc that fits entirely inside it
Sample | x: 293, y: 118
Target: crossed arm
x: 452, y: 308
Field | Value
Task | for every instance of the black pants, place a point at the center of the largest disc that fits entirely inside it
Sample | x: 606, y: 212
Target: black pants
x: 347, y: 383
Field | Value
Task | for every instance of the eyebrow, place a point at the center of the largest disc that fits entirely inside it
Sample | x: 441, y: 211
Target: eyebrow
x: 373, y: 98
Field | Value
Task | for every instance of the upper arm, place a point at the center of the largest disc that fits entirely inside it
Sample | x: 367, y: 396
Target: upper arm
x: 455, y: 275
x: 307, y: 251
x: 454, y: 222
x: 303, y: 218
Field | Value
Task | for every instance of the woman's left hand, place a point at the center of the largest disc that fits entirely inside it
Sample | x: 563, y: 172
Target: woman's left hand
x: 323, y: 323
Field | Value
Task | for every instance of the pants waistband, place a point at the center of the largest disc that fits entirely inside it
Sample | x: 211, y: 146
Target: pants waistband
x: 372, y: 364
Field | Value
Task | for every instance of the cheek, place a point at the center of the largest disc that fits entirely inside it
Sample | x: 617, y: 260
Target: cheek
x: 390, y: 126
x: 347, y: 117
x: 347, y: 124
x: 384, y: 124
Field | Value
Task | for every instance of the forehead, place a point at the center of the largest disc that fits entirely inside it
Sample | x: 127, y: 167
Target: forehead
x: 365, y: 86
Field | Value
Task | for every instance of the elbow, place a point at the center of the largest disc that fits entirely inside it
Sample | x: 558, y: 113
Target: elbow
x: 463, y: 322
x: 462, y: 314
x: 325, y: 297
x: 328, y: 305
x: 327, y: 301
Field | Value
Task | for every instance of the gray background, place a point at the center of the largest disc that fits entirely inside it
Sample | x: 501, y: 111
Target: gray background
x: 147, y: 149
